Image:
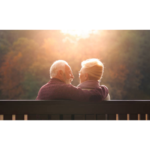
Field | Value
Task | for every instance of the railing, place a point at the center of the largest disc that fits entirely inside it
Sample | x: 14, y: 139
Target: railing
x: 72, y: 110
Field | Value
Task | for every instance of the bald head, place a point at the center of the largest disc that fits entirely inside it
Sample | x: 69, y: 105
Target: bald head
x: 61, y: 70
x: 57, y: 65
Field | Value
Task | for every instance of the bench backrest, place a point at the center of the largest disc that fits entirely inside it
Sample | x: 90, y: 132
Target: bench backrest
x: 72, y: 110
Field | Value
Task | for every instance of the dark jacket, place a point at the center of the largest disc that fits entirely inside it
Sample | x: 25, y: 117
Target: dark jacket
x: 58, y: 90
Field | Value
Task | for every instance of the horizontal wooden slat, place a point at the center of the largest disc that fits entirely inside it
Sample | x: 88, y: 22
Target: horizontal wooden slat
x: 101, y: 116
x: 47, y: 110
x: 90, y: 117
x: 20, y: 117
x: 122, y: 116
x: 42, y: 117
x: 71, y: 107
x: 79, y: 117
x: 66, y: 117
x: 38, y: 117
x: 32, y: 117
x: 111, y: 116
x: 55, y: 117
x: 133, y: 116
x: 7, y: 117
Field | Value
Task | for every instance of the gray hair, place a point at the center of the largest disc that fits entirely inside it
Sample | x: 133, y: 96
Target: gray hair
x: 94, y: 67
x: 57, y: 65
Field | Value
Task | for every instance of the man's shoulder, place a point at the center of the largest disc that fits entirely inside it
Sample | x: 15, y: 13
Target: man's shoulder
x: 103, y: 86
x: 107, y: 96
x: 57, y: 87
x: 102, y: 89
x: 44, y: 86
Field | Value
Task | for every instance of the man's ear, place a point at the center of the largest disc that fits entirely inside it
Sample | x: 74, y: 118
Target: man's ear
x: 86, y: 76
x: 60, y: 73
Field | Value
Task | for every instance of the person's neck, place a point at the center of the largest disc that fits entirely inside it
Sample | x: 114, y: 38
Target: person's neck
x: 58, y: 78
x: 89, y: 81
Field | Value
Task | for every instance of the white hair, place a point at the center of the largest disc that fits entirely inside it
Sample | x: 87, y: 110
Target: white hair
x: 57, y: 65
x: 91, y: 62
x: 94, y: 67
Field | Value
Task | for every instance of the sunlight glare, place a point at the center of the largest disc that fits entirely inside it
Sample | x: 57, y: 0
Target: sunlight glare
x: 79, y: 33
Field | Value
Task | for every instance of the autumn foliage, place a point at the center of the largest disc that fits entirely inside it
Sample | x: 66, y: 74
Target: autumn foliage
x: 26, y: 57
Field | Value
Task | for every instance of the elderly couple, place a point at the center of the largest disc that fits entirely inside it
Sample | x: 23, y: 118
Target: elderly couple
x: 59, y: 87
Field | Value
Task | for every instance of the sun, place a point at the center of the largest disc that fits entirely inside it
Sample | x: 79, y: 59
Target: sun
x: 79, y: 33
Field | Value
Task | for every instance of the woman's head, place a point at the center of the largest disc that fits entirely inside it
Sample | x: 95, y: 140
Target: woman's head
x: 91, y: 69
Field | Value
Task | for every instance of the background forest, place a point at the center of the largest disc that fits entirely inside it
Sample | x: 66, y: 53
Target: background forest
x: 26, y: 56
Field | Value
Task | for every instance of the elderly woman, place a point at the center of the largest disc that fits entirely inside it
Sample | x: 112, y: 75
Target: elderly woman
x: 91, y: 74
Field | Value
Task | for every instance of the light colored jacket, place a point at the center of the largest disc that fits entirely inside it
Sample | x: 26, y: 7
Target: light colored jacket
x: 91, y: 84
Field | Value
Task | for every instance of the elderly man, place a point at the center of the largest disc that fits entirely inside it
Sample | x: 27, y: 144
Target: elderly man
x: 91, y: 74
x: 59, y: 86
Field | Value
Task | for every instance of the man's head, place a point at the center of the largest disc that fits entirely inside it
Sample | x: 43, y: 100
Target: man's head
x: 61, y: 70
x: 92, y: 69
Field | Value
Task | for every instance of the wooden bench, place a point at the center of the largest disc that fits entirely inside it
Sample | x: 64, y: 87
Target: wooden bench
x: 73, y: 110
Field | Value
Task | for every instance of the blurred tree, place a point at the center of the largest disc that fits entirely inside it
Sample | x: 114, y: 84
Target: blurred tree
x: 25, y: 62
x: 4, y: 49
x: 15, y: 67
